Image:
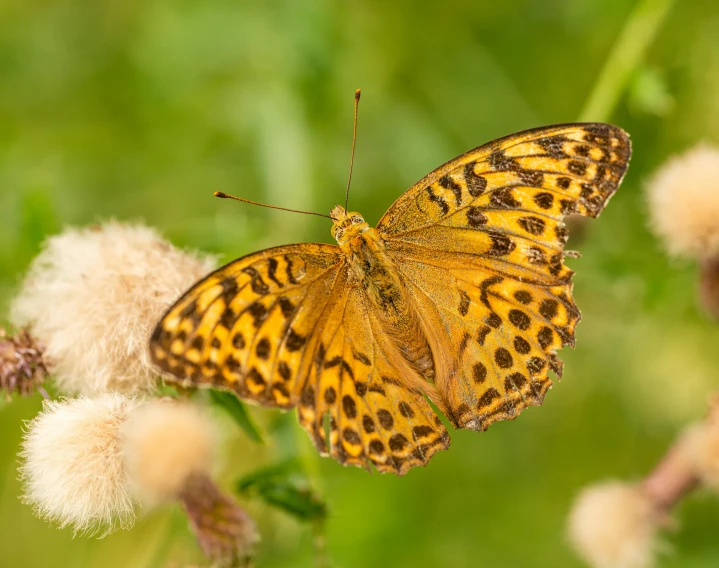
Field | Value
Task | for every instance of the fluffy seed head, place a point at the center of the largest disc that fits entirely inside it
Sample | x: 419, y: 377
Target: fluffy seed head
x: 93, y: 296
x: 73, y: 469
x: 166, y: 442
x: 613, y: 525
x: 683, y: 198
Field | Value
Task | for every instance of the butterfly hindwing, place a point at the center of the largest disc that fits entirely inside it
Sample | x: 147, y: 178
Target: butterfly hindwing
x: 494, y: 340
x: 356, y: 405
x: 479, y: 243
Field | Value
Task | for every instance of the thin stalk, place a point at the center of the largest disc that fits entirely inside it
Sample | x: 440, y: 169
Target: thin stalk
x: 319, y: 543
x: 638, y: 33
x: 310, y: 463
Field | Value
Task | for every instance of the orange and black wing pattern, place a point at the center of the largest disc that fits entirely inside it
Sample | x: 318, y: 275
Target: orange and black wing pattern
x: 480, y: 244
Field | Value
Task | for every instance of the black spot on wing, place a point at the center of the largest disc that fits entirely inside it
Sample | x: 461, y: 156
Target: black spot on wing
x: 272, y: 271
x: 487, y: 398
x: 294, y: 341
x: 531, y: 178
x: 288, y: 270
x: 286, y: 306
x: 448, y: 183
x: 257, y: 284
x: 258, y: 311
x: 475, y: 184
x: 438, y: 199
x: 503, y: 199
x: 533, y: 225
x: 464, y: 303
x: 544, y: 200
x: 475, y: 217
x: 501, y: 244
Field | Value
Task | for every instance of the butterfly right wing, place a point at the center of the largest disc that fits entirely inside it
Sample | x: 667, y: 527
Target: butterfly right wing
x: 247, y: 326
x: 479, y: 243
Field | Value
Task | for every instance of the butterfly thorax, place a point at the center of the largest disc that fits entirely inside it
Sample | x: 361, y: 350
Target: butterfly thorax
x: 375, y: 272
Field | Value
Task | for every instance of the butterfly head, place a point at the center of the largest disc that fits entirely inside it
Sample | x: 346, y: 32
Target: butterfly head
x: 346, y: 225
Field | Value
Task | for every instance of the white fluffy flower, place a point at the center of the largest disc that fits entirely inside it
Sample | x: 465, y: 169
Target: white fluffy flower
x: 165, y: 443
x: 73, y: 468
x: 93, y: 297
x: 613, y: 525
x: 683, y: 198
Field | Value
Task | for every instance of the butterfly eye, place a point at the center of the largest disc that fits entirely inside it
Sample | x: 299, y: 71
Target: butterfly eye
x: 357, y: 219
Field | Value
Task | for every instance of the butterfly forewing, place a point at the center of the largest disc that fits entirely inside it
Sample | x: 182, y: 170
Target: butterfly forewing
x: 480, y: 243
x: 246, y: 326
x: 552, y: 171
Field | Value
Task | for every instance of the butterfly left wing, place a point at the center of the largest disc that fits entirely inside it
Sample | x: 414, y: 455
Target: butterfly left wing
x: 479, y: 243
x: 247, y: 326
x: 284, y: 327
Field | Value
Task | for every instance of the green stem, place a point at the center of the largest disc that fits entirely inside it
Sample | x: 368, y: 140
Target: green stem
x: 640, y: 29
x: 310, y: 462
x: 319, y: 542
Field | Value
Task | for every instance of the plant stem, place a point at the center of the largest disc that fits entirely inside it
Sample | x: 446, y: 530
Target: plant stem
x: 639, y: 30
x: 319, y: 543
x: 310, y: 462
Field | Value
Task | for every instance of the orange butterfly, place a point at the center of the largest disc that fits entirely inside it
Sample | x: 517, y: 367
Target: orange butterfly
x: 460, y: 295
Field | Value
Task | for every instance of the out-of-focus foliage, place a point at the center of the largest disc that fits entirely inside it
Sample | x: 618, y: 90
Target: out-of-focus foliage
x: 238, y: 411
x: 140, y: 110
x: 282, y: 486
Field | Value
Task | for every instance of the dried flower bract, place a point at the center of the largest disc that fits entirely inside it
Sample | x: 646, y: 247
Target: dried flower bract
x: 22, y: 367
x: 92, y: 297
x: 225, y: 532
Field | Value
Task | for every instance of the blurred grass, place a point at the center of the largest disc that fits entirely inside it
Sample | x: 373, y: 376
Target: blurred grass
x: 140, y: 110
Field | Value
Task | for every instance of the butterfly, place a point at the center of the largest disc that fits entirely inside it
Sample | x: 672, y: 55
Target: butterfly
x: 459, y: 298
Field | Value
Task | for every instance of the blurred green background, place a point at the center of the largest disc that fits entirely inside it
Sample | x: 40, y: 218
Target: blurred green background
x: 139, y: 110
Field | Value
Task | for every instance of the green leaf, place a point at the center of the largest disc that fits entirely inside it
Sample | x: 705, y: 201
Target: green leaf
x: 281, y: 470
x: 238, y: 411
x: 301, y: 503
x: 167, y: 390
x: 282, y: 486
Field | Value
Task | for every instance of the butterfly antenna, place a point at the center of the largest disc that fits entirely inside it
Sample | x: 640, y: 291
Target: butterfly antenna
x: 222, y: 195
x: 354, y: 141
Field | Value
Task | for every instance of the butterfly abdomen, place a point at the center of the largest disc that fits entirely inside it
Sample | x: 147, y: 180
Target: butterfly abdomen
x: 377, y: 274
